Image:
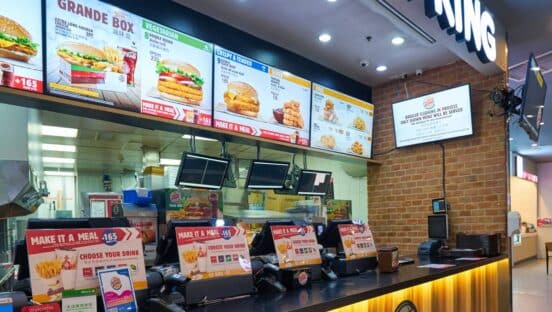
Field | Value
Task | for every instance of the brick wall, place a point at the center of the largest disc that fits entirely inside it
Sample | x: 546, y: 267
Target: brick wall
x: 400, y: 191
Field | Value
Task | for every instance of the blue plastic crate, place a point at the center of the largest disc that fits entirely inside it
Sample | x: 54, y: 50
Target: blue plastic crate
x: 132, y: 197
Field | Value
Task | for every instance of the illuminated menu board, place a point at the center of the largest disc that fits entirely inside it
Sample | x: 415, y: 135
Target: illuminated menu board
x: 341, y: 123
x: 177, y: 75
x: 256, y: 99
x: 21, y: 45
x: 92, y: 53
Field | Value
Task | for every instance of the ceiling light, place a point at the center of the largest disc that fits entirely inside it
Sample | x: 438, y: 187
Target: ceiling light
x: 530, y: 116
x: 397, y: 40
x: 535, y: 68
x: 59, y: 131
x: 325, y: 37
x: 381, y: 68
x: 187, y: 137
x: 534, y: 145
x: 332, y: 0
x: 60, y: 173
x: 511, y: 139
x: 541, y: 106
x: 58, y: 160
x: 542, y: 123
x: 169, y: 162
x: 59, y: 148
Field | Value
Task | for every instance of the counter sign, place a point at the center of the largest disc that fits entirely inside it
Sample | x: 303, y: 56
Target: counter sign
x: 469, y: 21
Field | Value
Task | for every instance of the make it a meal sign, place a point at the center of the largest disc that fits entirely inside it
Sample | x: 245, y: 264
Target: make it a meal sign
x: 68, y: 259
x: 357, y: 241
x: 470, y: 22
x: 295, y: 245
x: 208, y: 252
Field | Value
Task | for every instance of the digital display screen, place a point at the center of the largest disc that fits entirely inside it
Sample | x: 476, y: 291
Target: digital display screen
x: 198, y: 171
x: 256, y: 99
x: 267, y: 175
x: 341, y: 123
x: 534, y: 98
x: 434, y: 117
x: 437, y: 227
x: 314, y: 182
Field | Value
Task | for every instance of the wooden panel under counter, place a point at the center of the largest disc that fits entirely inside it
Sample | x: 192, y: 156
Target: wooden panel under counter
x: 527, y: 249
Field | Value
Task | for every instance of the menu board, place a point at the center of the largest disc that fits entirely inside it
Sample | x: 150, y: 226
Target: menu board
x: 21, y: 45
x: 341, y: 123
x: 177, y: 71
x: 433, y: 117
x: 208, y: 252
x: 256, y: 99
x: 357, y: 241
x: 295, y: 245
x: 68, y: 259
x: 92, y: 53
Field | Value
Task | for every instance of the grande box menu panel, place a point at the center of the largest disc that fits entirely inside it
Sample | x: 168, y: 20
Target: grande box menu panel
x: 341, y: 123
x: 21, y: 45
x: 256, y: 99
x: 177, y: 75
x: 92, y: 53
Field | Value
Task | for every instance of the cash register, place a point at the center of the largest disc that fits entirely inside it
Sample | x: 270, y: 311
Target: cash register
x: 334, y: 253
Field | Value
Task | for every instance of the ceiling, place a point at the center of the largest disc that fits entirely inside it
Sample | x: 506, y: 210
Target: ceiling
x: 296, y: 25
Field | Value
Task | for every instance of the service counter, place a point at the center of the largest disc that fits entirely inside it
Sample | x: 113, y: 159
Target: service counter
x: 482, y: 285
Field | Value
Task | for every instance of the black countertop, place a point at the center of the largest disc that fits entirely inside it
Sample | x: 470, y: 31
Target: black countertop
x: 324, y: 295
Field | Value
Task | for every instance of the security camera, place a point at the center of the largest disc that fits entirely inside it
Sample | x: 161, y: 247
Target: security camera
x: 364, y: 63
x: 419, y: 72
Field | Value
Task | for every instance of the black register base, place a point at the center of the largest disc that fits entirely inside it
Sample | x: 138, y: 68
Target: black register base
x: 482, y: 285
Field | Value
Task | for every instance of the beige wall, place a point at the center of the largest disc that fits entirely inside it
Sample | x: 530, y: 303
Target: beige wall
x: 524, y: 198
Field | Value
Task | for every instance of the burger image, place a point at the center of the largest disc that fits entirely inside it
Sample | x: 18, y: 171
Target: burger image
x: 198, y: 208
x: 15, y: 41
x: 241, y: 98
x: 116, y: 283
x: 179, y: 82
x: 97, y: 62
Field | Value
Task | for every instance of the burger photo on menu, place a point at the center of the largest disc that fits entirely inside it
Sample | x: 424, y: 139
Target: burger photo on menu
x: 241, y: 98
x: 15, y: 41
x: 179, y: 82
x: 81, y: 63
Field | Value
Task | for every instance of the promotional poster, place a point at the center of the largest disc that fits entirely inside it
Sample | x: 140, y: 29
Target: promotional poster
x: 341, y: 123
x: 256, y: 99
x: 357, y: 241
x: 92, y: 53
x: 21, y: 45
x: 434, y: 117
x: 117, y: 290
x: 177, y: 75
x: 68, y: 259
x: 207, y: 252
x: 295, y: 245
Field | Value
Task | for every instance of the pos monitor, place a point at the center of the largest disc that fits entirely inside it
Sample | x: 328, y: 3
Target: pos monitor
x: 313, y: 182
x: 263, y: 243
x: 199, y: 171
x: 167, y: 249
x: 437, y: 227
x: 267, y: 175
x: 331, y: 237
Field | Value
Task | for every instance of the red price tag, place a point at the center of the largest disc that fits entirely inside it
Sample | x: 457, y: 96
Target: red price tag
x: 28, y: 84
x: 47, y: 307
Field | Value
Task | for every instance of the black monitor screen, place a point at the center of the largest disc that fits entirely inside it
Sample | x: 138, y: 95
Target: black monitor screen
x: 267, y: 175
x: 331, y: 236
x: 198, y: 171
x: 263, y: 243
x: 314, y: 182
x: 534, y: 97
x: 437, y: 227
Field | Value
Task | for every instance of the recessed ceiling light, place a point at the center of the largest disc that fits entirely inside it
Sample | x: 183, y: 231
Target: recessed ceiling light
x: 169, y: 162
x: 534, y: 145
x: 59, y: 173
x: 381, y: 68
x: 511, y: 139
x: 332, y: 0
x: 59, y: 131
x: 58, y: 160
x: 59, y: 148
x: 325, y: 37
x: 535, y: 68
x: 530, y: 116
x: 542, y: 123
x: 397, y: 40
x: 541, y: 106
x: 187, y: 137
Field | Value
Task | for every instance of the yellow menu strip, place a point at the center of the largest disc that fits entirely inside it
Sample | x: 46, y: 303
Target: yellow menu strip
x: 231, y: 272
x: 290, y: 77
x: 348, y: 99
x: 74, y: 90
